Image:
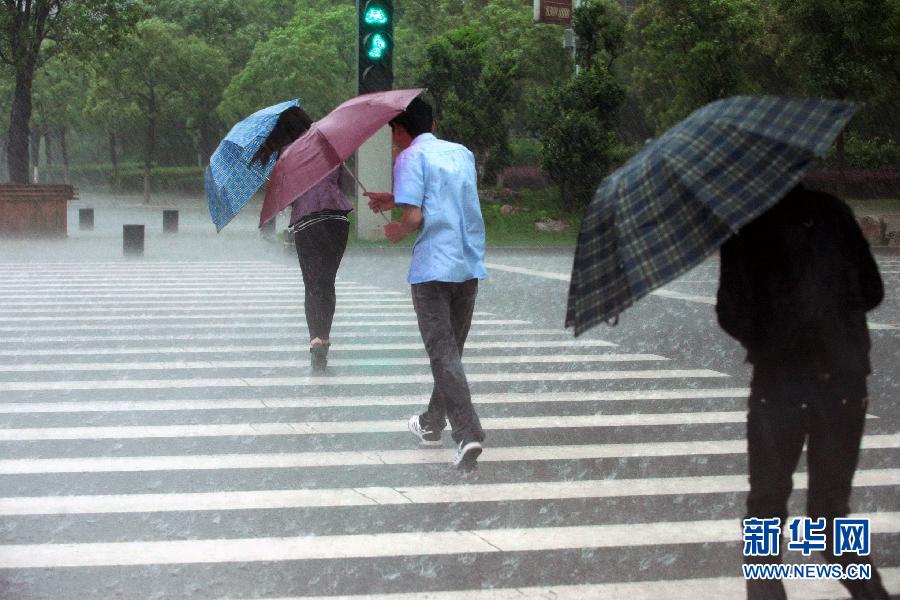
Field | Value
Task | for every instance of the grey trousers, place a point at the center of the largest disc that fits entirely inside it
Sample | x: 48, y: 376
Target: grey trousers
x: 444, y: 311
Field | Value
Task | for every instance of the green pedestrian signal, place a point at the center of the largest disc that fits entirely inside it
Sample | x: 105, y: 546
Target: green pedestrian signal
x: 375, y: 45
x: 376, y: 15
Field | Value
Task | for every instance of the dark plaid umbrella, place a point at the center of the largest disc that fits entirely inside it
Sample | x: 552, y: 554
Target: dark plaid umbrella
x: 684, y: 194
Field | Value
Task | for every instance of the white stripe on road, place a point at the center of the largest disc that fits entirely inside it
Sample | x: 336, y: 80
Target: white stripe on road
x: 336, y: 349
x: 153, y: 292
x: 185, y: 306
x: 220, y: 336
x: 290, y: 313
x: 378, y: 361
x: 420, y: 543
x: 188, y: 291
x: 564, y: 277
x: 225, y: 323
x: 712, y: 588
x: 164, y: 277
x: 142, y: 281
x: 139, y: 384
x: 679, y: 296
x: 355, y: 401
x: 130, y: 266
x: 660, y: 292
x: 291, y: 460
x: 134, y: 432
x: 375, y: 496
x: 712, y: 300
x: 524, y: 271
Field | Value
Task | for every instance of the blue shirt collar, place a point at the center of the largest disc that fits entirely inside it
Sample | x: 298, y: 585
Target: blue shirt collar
x: 422, y: 137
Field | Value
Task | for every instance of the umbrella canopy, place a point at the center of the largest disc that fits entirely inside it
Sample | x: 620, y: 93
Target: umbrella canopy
x: 684, y: 194
x: 230, y: 179
x: 328, y: 143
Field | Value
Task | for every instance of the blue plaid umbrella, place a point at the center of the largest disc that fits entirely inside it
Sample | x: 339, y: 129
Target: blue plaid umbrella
x: 684, y: 194
x: 230, y: 179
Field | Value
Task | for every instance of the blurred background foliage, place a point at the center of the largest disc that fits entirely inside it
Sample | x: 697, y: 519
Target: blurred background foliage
x: 152, y: 92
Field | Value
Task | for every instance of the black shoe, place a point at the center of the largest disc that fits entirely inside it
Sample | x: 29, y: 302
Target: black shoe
x: 466, y: 455
x: 317, y: 357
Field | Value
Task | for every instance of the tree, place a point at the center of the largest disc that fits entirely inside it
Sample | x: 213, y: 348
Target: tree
x: 157, y: 72
x: 82, y: 26
x: 600, y: 29
x: 232, y: 27
x: 58, y: 102
x: 685, y: 53
x: 840, y: 49
x: 313, y: 58
x: 578, y: 131
x: 541, y: 60
x: 416, y: 24
x: 473, y: 90
x: 579, y: 139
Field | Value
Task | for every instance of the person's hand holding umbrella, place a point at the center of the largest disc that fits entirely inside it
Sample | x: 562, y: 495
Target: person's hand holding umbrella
x: 380, y: 202
x: 395, y: 230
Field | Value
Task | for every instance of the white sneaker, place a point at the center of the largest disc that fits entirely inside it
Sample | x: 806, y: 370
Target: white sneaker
x: 426, y: 436
x: 466, y: 455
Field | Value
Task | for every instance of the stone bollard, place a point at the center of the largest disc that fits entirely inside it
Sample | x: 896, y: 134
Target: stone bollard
x: 892, y: 230
x: 170, y: 221
x: 86, y: 219
x: 133, y: 240
x: 873, y: 229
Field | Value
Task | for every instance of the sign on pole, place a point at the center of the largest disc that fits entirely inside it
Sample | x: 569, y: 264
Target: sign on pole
x: 558, y: 12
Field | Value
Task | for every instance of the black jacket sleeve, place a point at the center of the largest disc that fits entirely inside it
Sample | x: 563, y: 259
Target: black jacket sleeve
x: 735, y: 291
x: 871, y: 287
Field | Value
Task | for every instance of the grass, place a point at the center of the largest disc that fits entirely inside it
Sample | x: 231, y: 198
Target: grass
x: 516, y: 230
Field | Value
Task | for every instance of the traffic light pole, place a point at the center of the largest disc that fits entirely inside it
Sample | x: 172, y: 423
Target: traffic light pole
x: 374, y: 169
x: 374, y: 162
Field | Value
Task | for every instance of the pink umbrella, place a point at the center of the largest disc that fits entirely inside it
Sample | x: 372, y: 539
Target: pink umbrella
x: 328, y: 143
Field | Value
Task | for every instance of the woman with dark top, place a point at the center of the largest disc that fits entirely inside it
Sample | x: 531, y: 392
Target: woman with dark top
x: 320, y: 227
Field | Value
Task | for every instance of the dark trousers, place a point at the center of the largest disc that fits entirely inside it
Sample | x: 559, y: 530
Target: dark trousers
x: 827, y: 414
x: 444, y: 311
x: 320, y: 248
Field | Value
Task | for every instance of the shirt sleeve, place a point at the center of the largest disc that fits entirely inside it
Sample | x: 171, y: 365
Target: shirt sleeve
x: 409, y: 180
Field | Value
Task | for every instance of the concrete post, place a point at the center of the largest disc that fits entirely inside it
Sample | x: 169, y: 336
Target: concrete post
x: 86, y: 219
x: 375, y: 171
x: 170, y: 221
x: 133, y: 240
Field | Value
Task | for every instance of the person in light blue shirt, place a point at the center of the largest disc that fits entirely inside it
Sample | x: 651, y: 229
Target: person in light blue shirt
x: 435, y: 183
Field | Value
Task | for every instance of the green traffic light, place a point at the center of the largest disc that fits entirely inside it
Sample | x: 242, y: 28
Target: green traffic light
x: 377, y: 47
x: 376, y: 16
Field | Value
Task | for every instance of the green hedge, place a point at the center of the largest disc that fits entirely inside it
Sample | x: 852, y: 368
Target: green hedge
x: 187, y: 179
x: 524, y: 151
x: 867, y: 153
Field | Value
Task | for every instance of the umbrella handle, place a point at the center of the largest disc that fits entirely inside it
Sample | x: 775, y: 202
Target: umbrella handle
x: 365, y: 191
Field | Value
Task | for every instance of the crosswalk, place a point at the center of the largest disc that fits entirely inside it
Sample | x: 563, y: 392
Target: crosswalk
x: 162, y: 436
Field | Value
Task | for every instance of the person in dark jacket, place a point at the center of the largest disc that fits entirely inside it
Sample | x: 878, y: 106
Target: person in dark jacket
x: 794, y: 288
x: 320, y: 228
